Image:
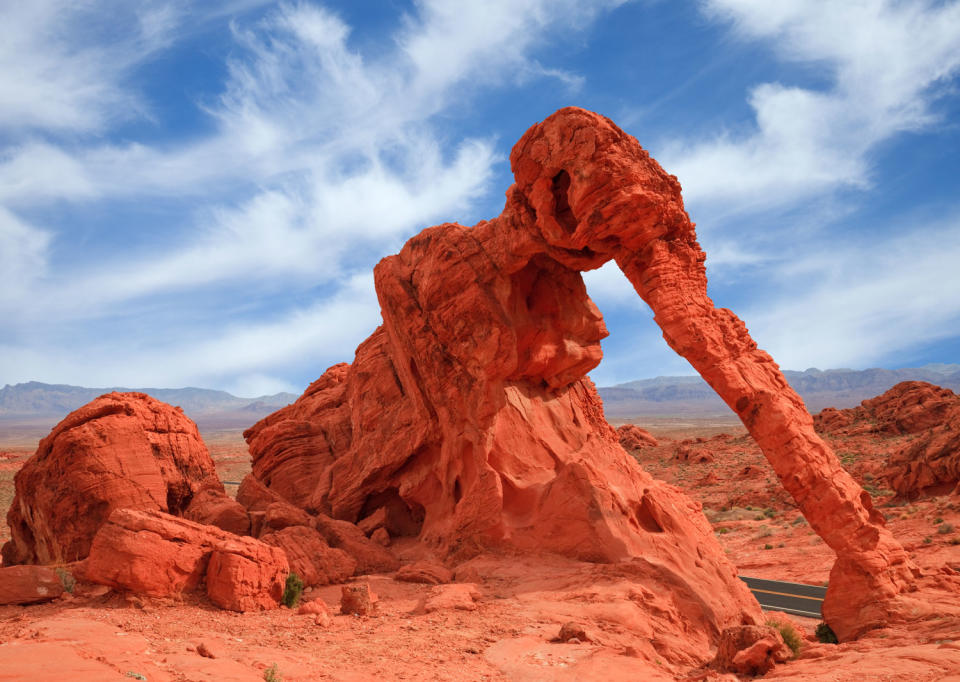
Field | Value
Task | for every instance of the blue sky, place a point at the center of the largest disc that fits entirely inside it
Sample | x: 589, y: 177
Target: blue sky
x: 196, y: 193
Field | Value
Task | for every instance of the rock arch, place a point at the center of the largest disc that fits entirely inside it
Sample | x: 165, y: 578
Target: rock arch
x: 472, y: 401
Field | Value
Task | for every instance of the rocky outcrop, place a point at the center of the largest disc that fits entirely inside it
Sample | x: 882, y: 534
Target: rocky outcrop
x: 121, y: 451
x: 29, y: 584
x: 160, y: 555
x: 469, y: 411
x: 310, y: 557
x: 908, y: 407
x: 750, y: 650
x: 632, y: 437
x: 928, y: 461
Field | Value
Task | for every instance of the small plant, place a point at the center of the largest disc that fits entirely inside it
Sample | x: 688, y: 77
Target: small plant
x: 937, y: 521
x: 945, y: 528
x: 769, y: 513
x: 66, y: 579
x: 927, y: 540
x: 272, y: 674
x: 790, y: 636
x: 723, y: 531
x: 292, y: 591
x: 136, y: 676
x: 768, y: 546
x: 825, y: 634
x: 798, y: 521
x: 748, y: 508
x: 955, y: 541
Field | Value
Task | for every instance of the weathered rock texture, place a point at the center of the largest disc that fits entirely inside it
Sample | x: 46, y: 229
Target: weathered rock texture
x: 121, y: 451
x: 160, y: 555
x: 928, y: 463
x: 632, y: 437
x: 29, y: 584
x: 469, y: 417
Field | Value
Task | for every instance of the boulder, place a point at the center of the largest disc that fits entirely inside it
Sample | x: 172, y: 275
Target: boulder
x: 750, y: 650
x: 632, y: 437
x: 246, y: 576
x: 310, y: 557
x: 160, y: 555
x: 358, y: 599
x: 426, y: 572
x: 457, y: 596
x: 370, y: 556
x: 29, y: 584
x: 120, y: 451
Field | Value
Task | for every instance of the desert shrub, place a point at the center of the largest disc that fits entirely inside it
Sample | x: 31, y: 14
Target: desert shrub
x: 66, y: 579
x: 955, y: 541
x: 769, y: 513
x: 272, y: 674
x: 292, y: 591
x: 722, y: 531
x: 759, y: 517
x: 937, y: 520
x: 927, y: 540
x: 825, y: 634
x: 798, y: 521
x: 945, y: 528
x: 768, y: 546
x: 790, y: 635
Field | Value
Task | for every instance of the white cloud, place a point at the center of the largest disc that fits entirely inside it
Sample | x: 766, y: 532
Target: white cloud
x: 320, y: 159
x: 886, y: 62
x: 856, y: 304
x: 23, y: 258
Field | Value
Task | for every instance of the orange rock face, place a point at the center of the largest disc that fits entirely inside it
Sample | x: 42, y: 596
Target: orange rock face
x: 929, y: 464
x: 120, y: 451
x: 160, y: 555
x: 468, y: 418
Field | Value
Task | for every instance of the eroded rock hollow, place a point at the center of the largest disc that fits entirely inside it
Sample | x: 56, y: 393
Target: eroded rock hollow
x: 467, y: 418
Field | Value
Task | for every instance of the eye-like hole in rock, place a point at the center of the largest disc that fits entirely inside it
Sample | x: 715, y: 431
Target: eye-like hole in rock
x: 645, y: 516
x: 562, y: 211
x: 178, y: 497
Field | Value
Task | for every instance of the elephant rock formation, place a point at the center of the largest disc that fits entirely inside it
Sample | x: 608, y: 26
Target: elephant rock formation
x: 467, y: 418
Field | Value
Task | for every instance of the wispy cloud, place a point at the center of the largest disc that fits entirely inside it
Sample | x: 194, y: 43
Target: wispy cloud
x: 319, y: 160
x: 886, y: 63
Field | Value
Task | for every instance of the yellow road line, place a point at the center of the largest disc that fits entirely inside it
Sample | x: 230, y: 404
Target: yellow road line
x: 786, y: 594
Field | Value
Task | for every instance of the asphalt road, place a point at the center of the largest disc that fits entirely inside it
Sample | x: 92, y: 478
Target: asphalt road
x: 795, y: 598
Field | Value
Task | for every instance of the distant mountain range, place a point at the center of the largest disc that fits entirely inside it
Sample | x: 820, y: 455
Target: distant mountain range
x: 662, y: 396
x: 690, y: 395
x: 35, y: 401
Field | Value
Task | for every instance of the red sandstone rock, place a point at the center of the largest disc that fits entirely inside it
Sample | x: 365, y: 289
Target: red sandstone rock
x: 319, y: 610
x: 458, y: 596
x: 750, y: 650
x: 570, y: 631
x: 371, y: 557
x: 310, y: 557
x: 358, y: 599
x: 632, y: 437
x: 929, y: 463
x: 246, y: 575
x: 381, y: 537
x: 122, y: 450
x: 29, y: 584
x: 160, y: 555
x: 427, y: 572
x: 469, y: 410
x: 212, y: 507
